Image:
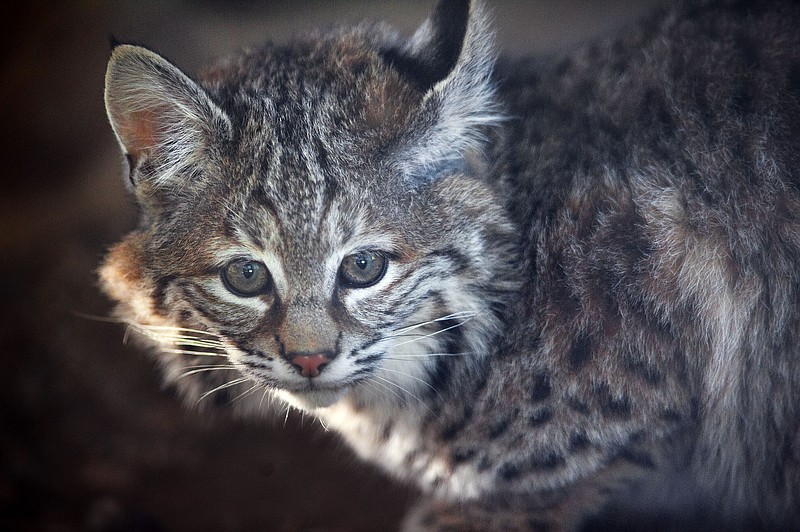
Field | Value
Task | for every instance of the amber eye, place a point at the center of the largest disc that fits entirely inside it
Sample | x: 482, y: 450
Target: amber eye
x: 246, y: 278
x: 362, y: 269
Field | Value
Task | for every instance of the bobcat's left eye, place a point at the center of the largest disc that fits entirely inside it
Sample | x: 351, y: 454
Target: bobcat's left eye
x: 362, y: 269
x: 246, y: 278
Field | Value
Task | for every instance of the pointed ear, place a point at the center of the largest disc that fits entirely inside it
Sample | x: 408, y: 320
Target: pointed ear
x: 162, y: 119
x: 433, y: 50
x: 450, y: 58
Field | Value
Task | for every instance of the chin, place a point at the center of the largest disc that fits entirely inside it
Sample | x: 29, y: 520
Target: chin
x: 310, y: 400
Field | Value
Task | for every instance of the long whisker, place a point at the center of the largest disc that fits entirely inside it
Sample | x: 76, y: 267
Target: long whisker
x: 440, y: 331
x: 144, y: 328
x: 245, y: 393
x: 263, y: 396
x: 425, y: 355
x: 171, y: 328
x: 407, y: 392
x: 190, y: 352
x: 187, y: 340
x: 181, y: 339
x: 393, y: 392
x: 454, y: 316
x: 405, y: 374
x: 223, y: 386
x: 202, y: 369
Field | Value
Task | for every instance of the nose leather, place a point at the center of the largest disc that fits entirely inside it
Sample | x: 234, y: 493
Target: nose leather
x: 309, y: 365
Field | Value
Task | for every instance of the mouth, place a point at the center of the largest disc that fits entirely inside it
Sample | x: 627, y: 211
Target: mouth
x: 306, y: 394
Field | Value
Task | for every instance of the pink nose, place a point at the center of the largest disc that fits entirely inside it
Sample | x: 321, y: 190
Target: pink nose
x: 309, y: 365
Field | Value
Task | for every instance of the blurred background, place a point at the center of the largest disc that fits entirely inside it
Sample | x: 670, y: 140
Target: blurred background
x: 89, y: 440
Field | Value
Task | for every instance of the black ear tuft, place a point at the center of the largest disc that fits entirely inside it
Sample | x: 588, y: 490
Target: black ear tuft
x: 113, y: 42
x: 434, y: 49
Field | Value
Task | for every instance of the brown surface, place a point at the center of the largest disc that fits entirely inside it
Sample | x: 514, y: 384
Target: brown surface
x: 88, y: 440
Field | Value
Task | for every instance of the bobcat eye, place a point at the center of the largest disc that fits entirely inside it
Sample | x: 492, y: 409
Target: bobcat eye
x: 362, y: 269
x: 245, y: 278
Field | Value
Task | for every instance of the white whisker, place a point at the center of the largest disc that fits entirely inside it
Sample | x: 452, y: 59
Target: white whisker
x: 440, y: 331
x: 263, y: 396
x: 245, y: 393
x: 223, y: 386
x: 170, y: 328
x: 189, y: 352
x: 455, y: 316
x: 187, y: 341
x: 202, y: 369
x: 405, y: 374
x: 407, y: 392
x: 393, y: 392
x: 425, y: 355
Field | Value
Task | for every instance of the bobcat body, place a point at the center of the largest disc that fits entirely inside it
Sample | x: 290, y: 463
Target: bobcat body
x: 549, y: 292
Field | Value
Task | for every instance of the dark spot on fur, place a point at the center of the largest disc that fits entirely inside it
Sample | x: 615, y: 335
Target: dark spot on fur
x: 548, y: 460
x: 441, y: 374
x: 451, y: 431
x: 638, y: 457
x: 540, y: 417
x: 463, y: 454
x: 484, y: 464
x: 612, y: 405
x: 537, y: 462
x: 641, y: 368
x: 580, y: 352
x: 617, y: 407
x: 578, y: 440
x: 540, y: 387
x: 578, y: 406
x: 499, y: 427
x: 509, y: 471
x: 670, y: 415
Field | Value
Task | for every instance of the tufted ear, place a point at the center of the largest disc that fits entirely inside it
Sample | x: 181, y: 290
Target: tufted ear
x: 162, y: 119
x: 433, y: 51
x: 450, y: 59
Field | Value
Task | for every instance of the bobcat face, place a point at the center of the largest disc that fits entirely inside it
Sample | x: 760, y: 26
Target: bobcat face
x: 312, y: 216
x: 335, y: 297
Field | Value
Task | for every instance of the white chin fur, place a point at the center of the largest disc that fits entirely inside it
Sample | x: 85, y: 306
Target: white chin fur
x: 310, y: 400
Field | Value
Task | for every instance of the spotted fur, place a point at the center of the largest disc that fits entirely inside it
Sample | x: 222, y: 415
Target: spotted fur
x: 591, y: 306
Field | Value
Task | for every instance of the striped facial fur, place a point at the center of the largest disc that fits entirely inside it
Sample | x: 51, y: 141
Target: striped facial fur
x: 313, y: 209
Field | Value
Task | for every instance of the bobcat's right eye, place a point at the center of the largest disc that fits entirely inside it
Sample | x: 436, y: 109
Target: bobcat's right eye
x: 246, y: 278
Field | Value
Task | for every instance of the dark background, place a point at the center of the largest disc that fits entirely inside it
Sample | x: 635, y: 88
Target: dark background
x: 88, y: 438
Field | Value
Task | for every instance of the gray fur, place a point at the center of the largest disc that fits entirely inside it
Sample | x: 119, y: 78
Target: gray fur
x: 592, y: 305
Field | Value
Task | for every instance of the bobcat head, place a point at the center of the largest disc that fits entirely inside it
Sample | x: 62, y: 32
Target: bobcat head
x: 314, y: 217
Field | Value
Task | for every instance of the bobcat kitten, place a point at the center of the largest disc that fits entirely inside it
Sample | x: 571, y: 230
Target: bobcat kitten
x: 549, y: 292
